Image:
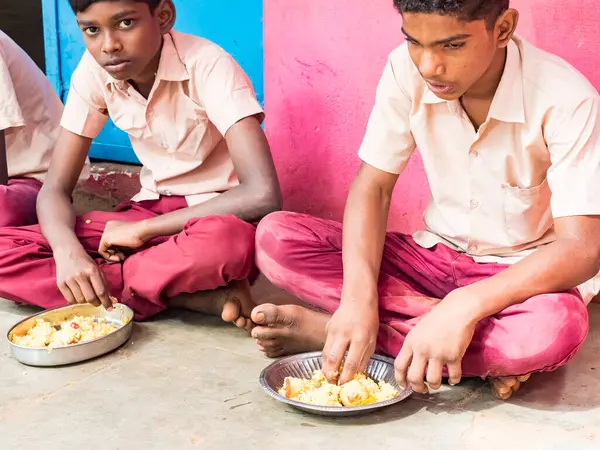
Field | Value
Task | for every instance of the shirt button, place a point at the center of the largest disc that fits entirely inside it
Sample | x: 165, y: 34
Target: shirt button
x: 164, y: 145
x: 474, y: 204
x: 472, y: 248
x: 150, y: 112
x: 474, y: 154
x: 168, y: 193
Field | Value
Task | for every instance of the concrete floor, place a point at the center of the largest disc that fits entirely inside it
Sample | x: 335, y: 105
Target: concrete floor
x: 189, y: 382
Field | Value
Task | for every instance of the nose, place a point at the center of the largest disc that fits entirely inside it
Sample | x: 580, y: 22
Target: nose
x: 111, y: 44
x: 430, y: 65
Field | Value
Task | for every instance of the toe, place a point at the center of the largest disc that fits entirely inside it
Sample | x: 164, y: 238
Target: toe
x: 524, y: 378
x: 515, y: 387
x: 269, y: 344
x: 249, y: 326
x: 231, y: 311
x: 265, y: 333
x: 264, y: 314
x: 241, y: 323
x: 501, y: 390
x: 244, y: 297
x: 274, y: 353
x: 509, y: 381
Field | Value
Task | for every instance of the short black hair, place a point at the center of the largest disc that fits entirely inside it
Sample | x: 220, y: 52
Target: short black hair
x: 466, y: 10
x: 81, y: 5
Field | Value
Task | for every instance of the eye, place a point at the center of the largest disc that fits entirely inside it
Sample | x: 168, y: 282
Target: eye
x: 454, y: 46
x: 125, y: 24
x: 91, y: 31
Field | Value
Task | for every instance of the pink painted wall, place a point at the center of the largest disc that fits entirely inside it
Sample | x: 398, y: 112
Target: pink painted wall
x: 322, y: 63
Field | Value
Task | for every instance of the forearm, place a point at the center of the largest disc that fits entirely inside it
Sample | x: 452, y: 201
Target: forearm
x: 3, y: 161
x: 57, y: 219
x: 249, y: 205
x: 365, y: 223
x: 557, y: 267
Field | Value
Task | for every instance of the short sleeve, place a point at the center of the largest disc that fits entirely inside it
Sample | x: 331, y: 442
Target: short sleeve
x: 573, y: 140
x: 227, y: 93
x: 11, y: 115
x: 388, y: 143
x: 85, y: 111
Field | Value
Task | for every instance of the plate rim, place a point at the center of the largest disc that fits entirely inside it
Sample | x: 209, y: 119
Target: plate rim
x: 329, y: 409
x: 123, y: 325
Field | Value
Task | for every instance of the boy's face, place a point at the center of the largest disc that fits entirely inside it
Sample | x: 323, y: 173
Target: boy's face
x: 124, y: 37
x: 451, y: 55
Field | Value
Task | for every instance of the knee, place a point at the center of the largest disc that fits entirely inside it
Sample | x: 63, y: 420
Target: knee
x: 568, y: 322
x: 234, y: 236
x: 564, y: 320
x: 556, y: 329
x: 17, y: 207
x: 277, y: 232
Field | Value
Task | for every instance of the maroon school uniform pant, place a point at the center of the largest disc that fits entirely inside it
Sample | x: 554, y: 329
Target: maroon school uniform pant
x: 302, y: 255
x: 209, y: 253
x: 17, y: 202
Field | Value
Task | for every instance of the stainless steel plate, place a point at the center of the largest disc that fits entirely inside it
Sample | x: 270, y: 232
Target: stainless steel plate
x: 380, y: 368
x: 121, y: 316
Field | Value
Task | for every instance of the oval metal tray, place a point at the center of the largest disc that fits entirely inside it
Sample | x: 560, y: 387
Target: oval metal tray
x: 380, y: 368
x: 121, y: 315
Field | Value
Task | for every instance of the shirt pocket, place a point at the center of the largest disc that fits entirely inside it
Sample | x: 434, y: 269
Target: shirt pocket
x: 131, y: 120
x: 189, y: 130
x: 527, y: 213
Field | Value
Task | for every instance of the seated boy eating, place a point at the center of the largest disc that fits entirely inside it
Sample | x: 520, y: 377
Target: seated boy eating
x: 186, y: 239
x: 30, y: 114
x: 497, y: 285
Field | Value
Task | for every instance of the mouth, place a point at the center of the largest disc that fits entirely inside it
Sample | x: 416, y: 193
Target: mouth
x: 118, y: 65
x: 438, y: 88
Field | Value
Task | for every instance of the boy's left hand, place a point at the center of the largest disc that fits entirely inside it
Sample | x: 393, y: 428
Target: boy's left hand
x: 118, y: 236
x: 440, y: 339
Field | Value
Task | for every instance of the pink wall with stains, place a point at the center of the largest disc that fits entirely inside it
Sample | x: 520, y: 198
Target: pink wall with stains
x: 323, y: 59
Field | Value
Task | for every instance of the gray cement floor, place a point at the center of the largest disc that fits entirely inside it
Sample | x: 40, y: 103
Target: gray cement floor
x: 188, y: 382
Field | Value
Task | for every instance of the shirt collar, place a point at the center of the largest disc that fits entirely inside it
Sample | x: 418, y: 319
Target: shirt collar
x: 170, y: 66
x: 508, y: 103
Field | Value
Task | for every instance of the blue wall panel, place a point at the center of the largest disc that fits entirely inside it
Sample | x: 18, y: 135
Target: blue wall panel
x: 233, y: 24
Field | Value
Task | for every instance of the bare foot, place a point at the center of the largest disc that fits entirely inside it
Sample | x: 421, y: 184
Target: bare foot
x: 288, y: 329
x: 504, y: 387
x: 233, y: 303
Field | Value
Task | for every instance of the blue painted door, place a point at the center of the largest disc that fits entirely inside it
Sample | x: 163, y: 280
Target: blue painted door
x: 233, y: 24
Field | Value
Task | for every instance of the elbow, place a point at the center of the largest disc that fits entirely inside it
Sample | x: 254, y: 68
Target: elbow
x: 48, y: 193
x: 42, y: 195
x: 268, y: 201
x: 595, y: 259
x: 591, y: 255
x: 273, y: 201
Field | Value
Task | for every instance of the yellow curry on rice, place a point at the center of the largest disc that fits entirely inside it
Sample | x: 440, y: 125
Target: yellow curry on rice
x: 361, y: 391
x: 73, y: 330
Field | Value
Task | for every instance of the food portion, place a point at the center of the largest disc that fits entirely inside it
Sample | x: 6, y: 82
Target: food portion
x: 361, y: 391
x: 73, y: 330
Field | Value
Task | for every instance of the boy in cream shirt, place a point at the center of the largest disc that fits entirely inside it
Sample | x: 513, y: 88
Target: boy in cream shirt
x: 186, y: 240
x: 30, y: 114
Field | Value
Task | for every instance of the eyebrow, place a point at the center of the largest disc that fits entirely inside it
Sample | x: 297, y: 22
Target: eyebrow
x: 447, y: 40
x: 117, y: 17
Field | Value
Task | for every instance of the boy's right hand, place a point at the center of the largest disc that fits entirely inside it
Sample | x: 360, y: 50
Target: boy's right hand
x: 353, y: 328
x: 80, y: 280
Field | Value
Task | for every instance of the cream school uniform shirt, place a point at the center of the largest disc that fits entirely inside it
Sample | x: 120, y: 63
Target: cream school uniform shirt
x: 30, y: 112
x: 494, y: 192
x: 178, y: 132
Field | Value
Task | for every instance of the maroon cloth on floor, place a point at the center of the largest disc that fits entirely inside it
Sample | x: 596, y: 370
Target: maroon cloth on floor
x: 302, y: 255
x: 209, y: 253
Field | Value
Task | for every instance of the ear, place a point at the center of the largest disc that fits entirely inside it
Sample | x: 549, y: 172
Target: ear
x: 506, y: 26
x: 165, y: 12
